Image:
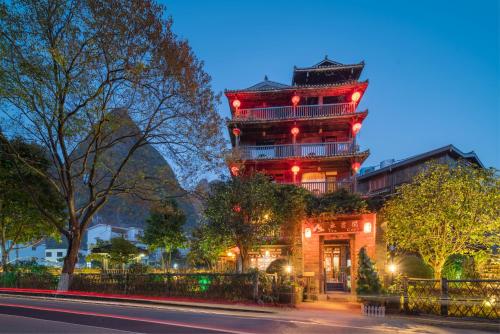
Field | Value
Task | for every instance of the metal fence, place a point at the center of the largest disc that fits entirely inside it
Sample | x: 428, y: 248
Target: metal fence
x: 196, y: 285
x: 458, y: 298
x: 193, y: 285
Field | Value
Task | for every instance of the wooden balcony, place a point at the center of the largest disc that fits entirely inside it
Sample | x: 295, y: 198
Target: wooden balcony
x: 269, y: 152
x: 323, y: 187
x: 291, y: 112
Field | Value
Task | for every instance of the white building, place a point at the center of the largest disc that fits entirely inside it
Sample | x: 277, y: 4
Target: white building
x: 34, y: 251
x: 106, y: 232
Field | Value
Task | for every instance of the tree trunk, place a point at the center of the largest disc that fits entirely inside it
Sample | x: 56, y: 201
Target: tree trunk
x: 244, y: 259
x: 69, y: 263
x: 5, y: 260
x: 438, y: 272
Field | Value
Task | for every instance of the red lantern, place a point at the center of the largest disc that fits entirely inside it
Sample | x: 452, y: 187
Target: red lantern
x: 235, y: 170
x: 355, y: 96
x: 237, y: 208
x: 295, y: 131
x: 295, y: 169
x: 236, y: 103
x: 295, y: 100
x: 356, y: 127
x: 356, y: 166
x: 236, y: 132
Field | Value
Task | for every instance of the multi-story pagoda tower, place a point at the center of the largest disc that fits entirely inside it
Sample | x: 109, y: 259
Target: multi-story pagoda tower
x: 303, y: 133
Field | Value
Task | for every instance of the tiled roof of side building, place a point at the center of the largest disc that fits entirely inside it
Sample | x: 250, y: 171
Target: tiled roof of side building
x: 471, y: 156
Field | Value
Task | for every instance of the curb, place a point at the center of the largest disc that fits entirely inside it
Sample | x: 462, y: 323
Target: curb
x: 195, y: 305
x: 485, y: 325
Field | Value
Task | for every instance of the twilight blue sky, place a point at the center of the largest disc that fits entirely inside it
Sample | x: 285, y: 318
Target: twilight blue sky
x: 433, y: 66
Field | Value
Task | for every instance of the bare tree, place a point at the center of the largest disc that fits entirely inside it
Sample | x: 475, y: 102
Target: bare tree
x: 82, y: 77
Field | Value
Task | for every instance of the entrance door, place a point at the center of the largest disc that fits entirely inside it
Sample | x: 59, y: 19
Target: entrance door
x: 335, y: 267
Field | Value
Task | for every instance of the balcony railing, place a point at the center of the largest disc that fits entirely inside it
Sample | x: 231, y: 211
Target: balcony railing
x: 327, y: 186
x: 264, y: 152
x: 323, y: 187
x: 290, y: 112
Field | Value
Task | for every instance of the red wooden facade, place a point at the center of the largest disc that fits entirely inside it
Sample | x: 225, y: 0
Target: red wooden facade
x: 305, y: 134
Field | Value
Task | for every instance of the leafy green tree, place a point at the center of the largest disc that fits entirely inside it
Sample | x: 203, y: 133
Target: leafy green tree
x: 446, y: 210
x: 205, y: 246
x: 243, y: 210
x: 164, y: 229
x: 290, y: 211
x: 367, y: 282
x: 82, y: 78
x: 21, y: 191
x: 122, y: 251
x: 338, y: 202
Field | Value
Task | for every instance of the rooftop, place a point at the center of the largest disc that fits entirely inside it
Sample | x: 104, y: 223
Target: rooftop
x: 470, y: 156
x: 323, y: 74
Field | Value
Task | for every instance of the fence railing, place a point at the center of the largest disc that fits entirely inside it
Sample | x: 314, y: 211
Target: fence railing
x: 291, y: 112
x: 297, y: 150
x: 459, y: 298
x: 324, y: 187
x: 216, y: 286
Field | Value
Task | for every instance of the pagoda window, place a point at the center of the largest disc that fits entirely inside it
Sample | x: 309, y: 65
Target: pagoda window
x: 313, y: 177
x: 332, y: 99
x: 311, y: 100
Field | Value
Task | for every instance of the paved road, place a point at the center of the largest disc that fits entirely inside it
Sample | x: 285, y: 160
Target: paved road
x: 32, y: 315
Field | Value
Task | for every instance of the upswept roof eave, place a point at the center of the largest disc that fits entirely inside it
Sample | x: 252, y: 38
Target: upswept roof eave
x: 328, y: 68
x: 299, y: 87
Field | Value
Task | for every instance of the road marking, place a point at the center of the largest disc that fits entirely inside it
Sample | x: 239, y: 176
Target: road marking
x: 66, y: 323
x: 115, y: 316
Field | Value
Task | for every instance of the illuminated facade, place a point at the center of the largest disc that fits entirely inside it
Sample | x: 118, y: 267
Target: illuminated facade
x: 305, y: 134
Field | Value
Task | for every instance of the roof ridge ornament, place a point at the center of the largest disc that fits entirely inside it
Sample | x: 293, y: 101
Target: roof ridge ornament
x: 265, y: 78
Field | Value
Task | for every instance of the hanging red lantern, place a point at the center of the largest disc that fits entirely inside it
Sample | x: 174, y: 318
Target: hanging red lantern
x: 295, y: 131
x: 356, y: 166
x: 295, y: 100
x: 355, y: 96
x: 236, y: 103
x: 235, y: 170
x: 237, y: 208
x: 356, y: 127
x: 236, y: 132
x: 295, y: 169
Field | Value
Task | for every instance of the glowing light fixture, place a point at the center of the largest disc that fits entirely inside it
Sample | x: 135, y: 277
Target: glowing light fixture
x: 235, y: 170
x: 356, y: 127
x: 295, y: 131
x: 236, y: 208
x: 354, y: 97
x: 392, y: 268
x: 295, y: 100
x: 236, y: 103
x: 295, y: 169
x: 367, y: 227
x: 307, y: 232
x: 230, y: 254
x: 356, y: 166
x: 288, y: 269
x: 236, y: 132
x: 266, y: 254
